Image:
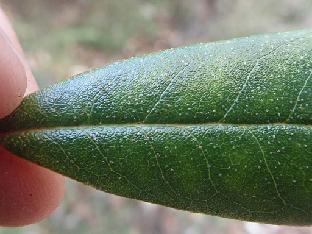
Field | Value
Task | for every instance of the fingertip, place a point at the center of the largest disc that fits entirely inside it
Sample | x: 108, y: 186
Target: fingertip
x: 13, y: 80
x: 28, y: 193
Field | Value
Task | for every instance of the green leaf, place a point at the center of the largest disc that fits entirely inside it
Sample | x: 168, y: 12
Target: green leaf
x: 220, y: 128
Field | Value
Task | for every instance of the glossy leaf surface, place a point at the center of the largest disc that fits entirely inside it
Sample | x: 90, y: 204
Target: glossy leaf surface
x: 220, y: 128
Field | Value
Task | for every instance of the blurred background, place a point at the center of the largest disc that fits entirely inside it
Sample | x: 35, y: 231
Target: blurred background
x: 65, y: 37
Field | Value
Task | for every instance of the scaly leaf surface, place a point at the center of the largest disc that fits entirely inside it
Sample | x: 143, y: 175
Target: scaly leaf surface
x: 220, y: 128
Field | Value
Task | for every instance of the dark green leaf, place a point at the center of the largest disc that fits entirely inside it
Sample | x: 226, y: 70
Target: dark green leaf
x: 221, y: 128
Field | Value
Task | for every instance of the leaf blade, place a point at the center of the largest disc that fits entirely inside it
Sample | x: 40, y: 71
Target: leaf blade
x: 188, y: 128
x: 249, y: 80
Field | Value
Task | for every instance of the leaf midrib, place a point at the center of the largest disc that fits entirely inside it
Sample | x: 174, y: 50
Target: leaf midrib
x: 158, y: 125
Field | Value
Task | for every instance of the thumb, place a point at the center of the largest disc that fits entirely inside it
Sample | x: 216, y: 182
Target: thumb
x: 12, y: 77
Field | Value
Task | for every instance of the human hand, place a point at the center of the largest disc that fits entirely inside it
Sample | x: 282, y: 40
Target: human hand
x: 28, y: 192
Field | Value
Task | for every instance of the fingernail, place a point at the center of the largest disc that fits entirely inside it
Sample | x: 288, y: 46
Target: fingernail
x: 12, y: 77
